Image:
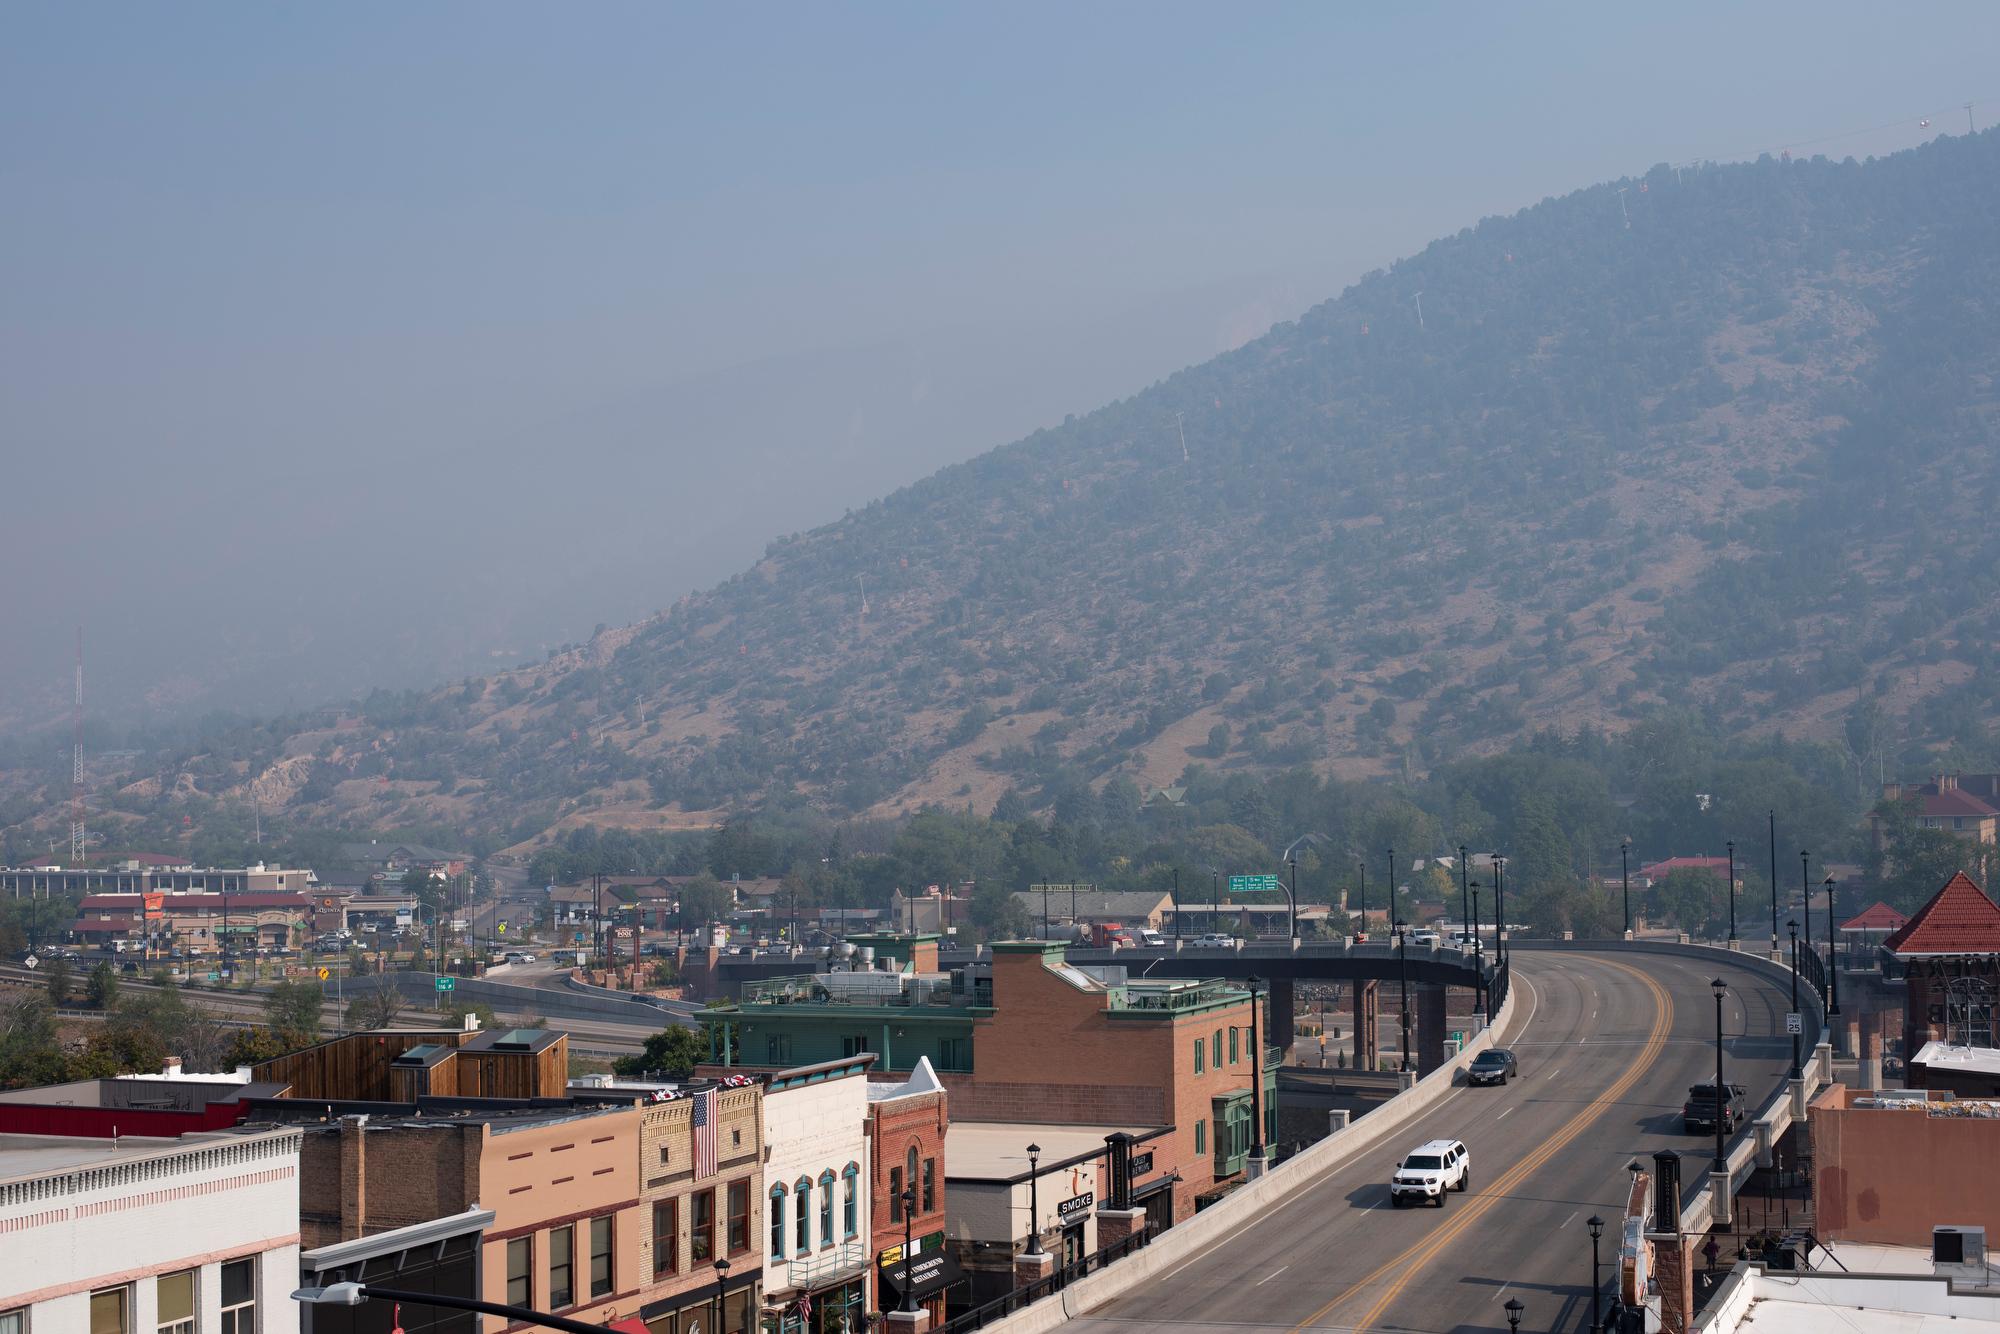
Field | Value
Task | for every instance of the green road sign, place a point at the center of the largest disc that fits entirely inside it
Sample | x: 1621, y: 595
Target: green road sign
x: 446, y: 983
x: 1253, y: 884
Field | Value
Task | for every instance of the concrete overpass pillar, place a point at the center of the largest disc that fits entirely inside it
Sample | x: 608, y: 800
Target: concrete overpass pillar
x: 1430, y: 1027
x: 1367, y: 1025
x: 1870, y: 1051
x: 1283, y: 1015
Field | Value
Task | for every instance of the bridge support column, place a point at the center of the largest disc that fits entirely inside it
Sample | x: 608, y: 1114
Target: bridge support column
x: 1367, y: 1025
x: 1430, y: 1027
x: 1765, y: 1157
x: 1282, y: 1015
x: 1870, y: 1051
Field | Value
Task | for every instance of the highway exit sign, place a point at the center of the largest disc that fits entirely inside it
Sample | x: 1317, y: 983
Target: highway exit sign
x: 1253, y: 884
x: 446, y: 983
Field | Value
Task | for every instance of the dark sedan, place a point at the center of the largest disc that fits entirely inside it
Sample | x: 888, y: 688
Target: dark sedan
x: 1495, y: 1065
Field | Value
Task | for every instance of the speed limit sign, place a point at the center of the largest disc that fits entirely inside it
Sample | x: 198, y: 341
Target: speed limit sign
x: 1794, y: 1025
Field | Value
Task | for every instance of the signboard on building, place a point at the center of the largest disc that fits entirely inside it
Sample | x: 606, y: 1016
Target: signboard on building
x: 1142, y: 1163
x: 930, y: 1271
x: 1075, y: 1209
x: 1253, y: 884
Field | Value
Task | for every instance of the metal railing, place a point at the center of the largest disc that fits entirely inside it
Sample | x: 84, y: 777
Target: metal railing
x: 1001, y: 1307
x: 893, y: 992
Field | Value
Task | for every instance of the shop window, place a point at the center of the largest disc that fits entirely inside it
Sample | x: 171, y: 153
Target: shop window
x: 174, y: 1297
x: 600, y: 1256
x: 1198, y: 1066
x: 802, y: 1219
x: 110, y: 1311
x: 14, y: 1322
x: 239, y: 1297
x: 1201, y: 1137
x: 850, y: 1204
x: 895, y: 1195
x: 562, y: 1275
x: 930, y: 1185
x: 777, y: 1212
x: 666, y: 1240
x: 826, y: 1207
x: 520, y: 1271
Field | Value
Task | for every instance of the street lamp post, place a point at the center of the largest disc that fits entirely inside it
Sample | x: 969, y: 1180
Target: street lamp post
x: 1389, y: 891
x: 721, y: 1293
x: 1256, y: 1080
x: 1464, y: 894
x: 1499, y: 909
x: 1478, y: 955
x: 1793, y: 926
x: 1177, y: 903
x: 1721, y: 989
x: 1034, y: 1204
x: 1625, y: 876
x: 1292, y: 920
x: 1403, y: 976
x: 909, y: 1302
x: 1361, y: 884
x: 1514, y: 1309
x: 1731, y: 845
x: 1596, y: 1226
x: 1832, y: 961
x: 1773, y: 815
x: 1805, y: 893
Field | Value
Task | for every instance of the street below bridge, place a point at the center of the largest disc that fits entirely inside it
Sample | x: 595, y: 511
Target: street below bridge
x: 1608, y: 1044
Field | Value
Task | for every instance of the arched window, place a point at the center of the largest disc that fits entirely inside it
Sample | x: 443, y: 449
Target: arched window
x: 910, y: 1168
x: 826, y: 1207
x: 850, y: 1202
x: 802, y: 1239
x: 777, y: 1222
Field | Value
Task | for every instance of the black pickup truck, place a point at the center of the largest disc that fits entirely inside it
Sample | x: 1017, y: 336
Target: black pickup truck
x: 1698, y: 1113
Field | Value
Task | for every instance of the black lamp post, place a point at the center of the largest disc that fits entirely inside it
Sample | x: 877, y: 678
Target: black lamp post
x: 1774, y: 881
x: 1034, y: 1204
x: 1793, y: 927
x: 1625, y: 876
x: 1499, y: 909
x: 1596, y: 1226
x: 1731, y: 845
x: 1388, y: 889
x: 1292, y: 909
x: 1177, y: 903
x: 1256, y: 1078
x: 354, y: 1294
x: 1832, y: 962
x: 1514, y: 1309
x: 909, y: 1302
x: 1721, y: 989
x: 721, y: 1293
x: 1805, y: 893
x: 1478, y: 954
x: 1403, y: 975
x: 1464, y: 895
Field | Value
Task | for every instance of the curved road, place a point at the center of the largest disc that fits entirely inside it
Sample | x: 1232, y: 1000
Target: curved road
x: 1608, y: 1044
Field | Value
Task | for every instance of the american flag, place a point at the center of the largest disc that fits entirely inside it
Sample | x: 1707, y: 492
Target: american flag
x: 704, y: 1133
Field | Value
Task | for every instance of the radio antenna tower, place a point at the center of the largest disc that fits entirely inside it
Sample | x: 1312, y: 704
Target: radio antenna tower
x: 862, y: 579
x: 76, y: 832
x: 1420, y: 312
x: 1182, y: 431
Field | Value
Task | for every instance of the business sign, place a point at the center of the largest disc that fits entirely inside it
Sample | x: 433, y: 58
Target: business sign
x: 1794, y: 1024
x: 1142, y: 1162
x: 1075, y: 1209
x: 1253, y: 884
x: 930, y: 1271
x: 924, y: 1245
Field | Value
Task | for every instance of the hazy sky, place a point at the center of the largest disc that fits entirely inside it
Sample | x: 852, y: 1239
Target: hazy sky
x: 351, y: 343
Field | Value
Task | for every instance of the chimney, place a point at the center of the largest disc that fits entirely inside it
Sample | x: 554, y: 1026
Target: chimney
x: 1946, y: 782
x: 170, y: 1068
x: 353, y: 1177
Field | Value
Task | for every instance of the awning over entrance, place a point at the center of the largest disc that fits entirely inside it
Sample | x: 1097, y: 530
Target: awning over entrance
x: 934, y: 1272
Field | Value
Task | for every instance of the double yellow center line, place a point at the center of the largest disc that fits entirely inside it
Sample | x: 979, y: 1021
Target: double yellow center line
x: 1412, y: 1260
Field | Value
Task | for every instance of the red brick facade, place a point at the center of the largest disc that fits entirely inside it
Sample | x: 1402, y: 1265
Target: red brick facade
x: 901, y: 1130
x: 1053, y: 1052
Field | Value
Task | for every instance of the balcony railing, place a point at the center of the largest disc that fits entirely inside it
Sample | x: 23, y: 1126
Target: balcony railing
x: 821, y: 1267
x: 891, y: 991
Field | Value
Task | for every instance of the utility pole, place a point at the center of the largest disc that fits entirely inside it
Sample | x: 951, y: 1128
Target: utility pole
x: 1182, y: 432
x: 77, y: 838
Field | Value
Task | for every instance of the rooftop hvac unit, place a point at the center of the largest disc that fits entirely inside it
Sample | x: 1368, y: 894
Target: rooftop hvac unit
x: 1959, y: 1252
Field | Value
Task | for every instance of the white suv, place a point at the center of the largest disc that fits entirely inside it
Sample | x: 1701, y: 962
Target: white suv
x: 1429, y: 1170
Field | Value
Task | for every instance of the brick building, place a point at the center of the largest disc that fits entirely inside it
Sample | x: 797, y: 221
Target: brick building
x: 1887, y: 1169
x: 907, y: 1125
x: 1030, y: 1038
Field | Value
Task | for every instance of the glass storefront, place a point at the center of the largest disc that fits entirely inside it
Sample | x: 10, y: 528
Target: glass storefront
x: 837, y: 1310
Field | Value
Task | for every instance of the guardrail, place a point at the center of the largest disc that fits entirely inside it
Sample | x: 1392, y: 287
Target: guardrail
x: 421, y: 987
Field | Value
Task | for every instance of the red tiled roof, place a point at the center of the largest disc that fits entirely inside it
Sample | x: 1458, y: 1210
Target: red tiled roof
x: 1959, y: 919
x: 1953, y: 801
x: 1880, y: 917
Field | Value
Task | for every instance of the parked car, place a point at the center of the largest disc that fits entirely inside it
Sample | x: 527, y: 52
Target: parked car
x: 1495, y: 1065
x: 1215, y: 940
x: 1429, y: 1170
x: 1699, y: 1112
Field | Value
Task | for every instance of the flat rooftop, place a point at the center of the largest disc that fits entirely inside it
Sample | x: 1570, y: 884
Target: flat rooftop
x: 25, y: 1156
x: 998, y: 1150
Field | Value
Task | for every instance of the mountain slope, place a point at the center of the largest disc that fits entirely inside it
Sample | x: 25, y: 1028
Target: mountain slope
x: 1718, y: 438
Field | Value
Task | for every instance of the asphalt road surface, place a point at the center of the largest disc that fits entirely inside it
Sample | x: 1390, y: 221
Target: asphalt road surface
x: 1608, y: 1045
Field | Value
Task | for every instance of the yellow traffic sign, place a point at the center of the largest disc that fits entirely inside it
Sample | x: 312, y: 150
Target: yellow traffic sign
x: 325, y: 973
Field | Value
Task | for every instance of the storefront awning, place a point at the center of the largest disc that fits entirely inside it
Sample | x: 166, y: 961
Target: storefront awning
x: 935, y: 1272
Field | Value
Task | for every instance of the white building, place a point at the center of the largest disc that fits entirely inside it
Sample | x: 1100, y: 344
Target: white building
x: 195, y: 1235
x: 1881, y: 1290
x: 816, y: 1175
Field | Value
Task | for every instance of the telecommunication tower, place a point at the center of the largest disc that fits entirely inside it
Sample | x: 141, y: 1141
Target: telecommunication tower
x: 76, y: 831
